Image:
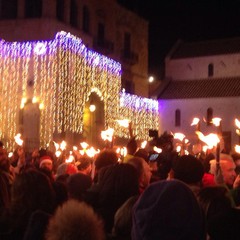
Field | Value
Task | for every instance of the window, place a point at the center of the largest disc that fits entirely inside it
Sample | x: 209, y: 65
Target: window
x: 127, y: 43
x: 210, y: 70
x: 74, y: 14
x: 33, y: 8
x: 86, y: 19
x: 209, y: 116
x: 8, y: 9
x: 177, y: 118
x: 60, y: 10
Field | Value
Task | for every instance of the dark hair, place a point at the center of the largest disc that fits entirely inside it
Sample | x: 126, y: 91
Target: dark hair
x: 188, y: 169
x: 106, y: 157
x: 32, y: 190
x: 214, y: 200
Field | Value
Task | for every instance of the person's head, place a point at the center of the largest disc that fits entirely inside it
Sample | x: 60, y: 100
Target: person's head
x: 168, y: 209
x: 116, y: 184
x: 46, y: 162
x: 188, y: 169
x: 76, y: 221
x: 214, y: 200
x: 141, y: 152
x: 66, y: 168
x: 143, y: 169
x: 227, y: 166
x: 77, y: 185
x: 32, y: 190
x: 105, y: 158
x: 84, y: 165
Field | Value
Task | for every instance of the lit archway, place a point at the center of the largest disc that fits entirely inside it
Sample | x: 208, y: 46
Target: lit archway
x: 93, y: 121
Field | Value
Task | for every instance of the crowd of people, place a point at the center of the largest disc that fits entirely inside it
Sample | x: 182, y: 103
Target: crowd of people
x: 173, y: 196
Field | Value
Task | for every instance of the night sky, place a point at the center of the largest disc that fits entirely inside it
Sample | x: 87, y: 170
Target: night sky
x: 189, y: 20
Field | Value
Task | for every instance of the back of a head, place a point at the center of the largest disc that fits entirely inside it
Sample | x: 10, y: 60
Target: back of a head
x: 76, y: 221
x: 33, y: 190
x: 66, y: 168
x: 118, y: 183
x: 188, y: 169
x: 120, y: 179
x: 168, y: 209
x: 137, y: 162
x: 105, y: 158
x: 214, y: 200
x: 78, y: 184
x: 143, y: 170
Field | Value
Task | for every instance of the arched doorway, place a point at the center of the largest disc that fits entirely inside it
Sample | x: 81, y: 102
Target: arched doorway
x: 93, y: 121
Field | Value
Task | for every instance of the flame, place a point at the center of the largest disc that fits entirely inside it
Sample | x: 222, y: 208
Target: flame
x: 211, y: 139
x: 156, y: 149
x: 18, y: 139
x: 237, y: 148
x: 91, y: 152
x: 216, y: 121
x: 122, y: 151
x: 58, y: 153
x: 84, y: 145
x: 63, y: 145
x: 75, y: 148
x: 195, y: 121
x: 237, y: 123
x: 56, y: 145
x: 70, y: 159
x: 143, y: 144
x: 179, y: 136
x: 10, y: 154
x: 107, y: 134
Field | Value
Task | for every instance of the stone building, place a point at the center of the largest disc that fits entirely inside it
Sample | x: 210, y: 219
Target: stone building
x: 57, y: 57
x: 202, y: 80
x: 104, y: 26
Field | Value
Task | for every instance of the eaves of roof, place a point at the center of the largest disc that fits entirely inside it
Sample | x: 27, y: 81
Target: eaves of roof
x: 204, y: 88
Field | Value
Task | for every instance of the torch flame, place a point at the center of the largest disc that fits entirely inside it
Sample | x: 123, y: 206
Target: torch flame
x: 179, y: 136
x: 237, y: 123
x: 143, y: 144
x: 18, y: 139
x: 63, y: 145
x: 84, y: 145
x: 211, y: 139
x: 216, y: 121
x: 195, y: 121
x: 107, y: 135
x: 237, y: 148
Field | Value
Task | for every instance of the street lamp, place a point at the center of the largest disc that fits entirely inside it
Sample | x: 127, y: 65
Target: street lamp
x: 150, y: 81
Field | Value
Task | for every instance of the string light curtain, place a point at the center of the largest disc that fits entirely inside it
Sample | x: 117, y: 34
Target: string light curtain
x: 64, y: 73
x: 142, y: 112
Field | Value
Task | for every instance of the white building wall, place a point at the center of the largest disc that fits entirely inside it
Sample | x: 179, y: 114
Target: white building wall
x: 226, y: 108
x: 197, y: 68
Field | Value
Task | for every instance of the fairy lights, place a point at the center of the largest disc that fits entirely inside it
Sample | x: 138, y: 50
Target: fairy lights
x: 64, y: 72
x: 142, y: 112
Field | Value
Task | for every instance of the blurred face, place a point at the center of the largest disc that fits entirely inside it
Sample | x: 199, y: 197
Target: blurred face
x: 228, y: 171
x: 47, y: 165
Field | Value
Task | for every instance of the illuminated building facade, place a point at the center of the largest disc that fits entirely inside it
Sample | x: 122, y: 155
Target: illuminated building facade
x: 46, y: 85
